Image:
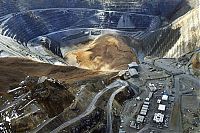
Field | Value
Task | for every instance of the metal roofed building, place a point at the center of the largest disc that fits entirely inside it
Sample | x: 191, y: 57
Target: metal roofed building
x: 165, y: 97
x: 161, y: 107
x: 158, y: 117
x: 133, y: 65
x: 140, y: 118
x: 146, y: 103
x: 152, y: 87
x: 133, y: 72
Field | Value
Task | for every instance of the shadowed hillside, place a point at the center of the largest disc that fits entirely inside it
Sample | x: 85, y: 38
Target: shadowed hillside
x: 14, y: 70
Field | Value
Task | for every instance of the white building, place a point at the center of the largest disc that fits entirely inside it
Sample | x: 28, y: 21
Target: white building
x: 147, y: 99
x: 161, y: 107
x: 146, y: 103
x: 158, y: 117
x: 143, y: 112
x: 146, y: 106
x: 158, y: 101
x: 140, y: 118
x: 165, y: 97
x: 152, y: 87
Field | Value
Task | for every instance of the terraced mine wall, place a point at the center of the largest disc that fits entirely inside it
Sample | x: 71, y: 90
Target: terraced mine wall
x: 184, y: 7
x: 27, y: 25
x: 176, y: 39
x: 66, y: 39
x: 160, y: 41
x: 152, y: 7
x: 12, y: 6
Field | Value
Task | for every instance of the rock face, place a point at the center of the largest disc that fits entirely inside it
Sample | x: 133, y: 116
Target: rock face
x: 196, y: 63
x: 189, y: 39
x: 176, y: 39
x: 106, y: 53
x: 52, y: 96
x: 27, y: 122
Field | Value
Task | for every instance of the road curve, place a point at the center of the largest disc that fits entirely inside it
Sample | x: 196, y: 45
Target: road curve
x: 91, y: 106
x: 109, y: 108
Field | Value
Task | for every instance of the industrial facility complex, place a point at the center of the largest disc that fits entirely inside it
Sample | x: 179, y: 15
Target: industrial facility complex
x: 99, y: 66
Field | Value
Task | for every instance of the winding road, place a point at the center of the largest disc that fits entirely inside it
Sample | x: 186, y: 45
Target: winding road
x: 109, y: 107
x: 91, y: 107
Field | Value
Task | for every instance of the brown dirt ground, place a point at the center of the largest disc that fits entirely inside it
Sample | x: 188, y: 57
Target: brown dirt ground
x: 106, y: 53
x: 13, y: 70
x: 196, y: 61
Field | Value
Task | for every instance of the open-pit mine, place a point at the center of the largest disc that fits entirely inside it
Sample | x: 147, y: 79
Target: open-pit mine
x: 99, y: 66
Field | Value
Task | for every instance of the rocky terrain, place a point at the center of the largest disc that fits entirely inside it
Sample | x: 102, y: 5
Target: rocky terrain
x: 65, y: 65
x: 14, y: 69
x: 189, y: 31
x: 107, y: 53
x: 196, y: 63
x: 179, y: 37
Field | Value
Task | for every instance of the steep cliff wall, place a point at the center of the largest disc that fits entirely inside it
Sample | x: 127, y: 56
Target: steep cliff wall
x: 184, y: 7
x: 189, y: 39
x: 177, y: 38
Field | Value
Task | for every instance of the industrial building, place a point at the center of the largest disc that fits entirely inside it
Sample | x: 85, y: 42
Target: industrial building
x: 158, y: 117
x: 134, y: 65
x: 161, y: 107
x: 133, y: 73
x: 152, y: 87
x: 144, y: 109
x: 165, y: 97
x: 140, y: 119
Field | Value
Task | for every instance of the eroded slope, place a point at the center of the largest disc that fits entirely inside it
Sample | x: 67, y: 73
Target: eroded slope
x: 14, y: 70
x: 106, y: 53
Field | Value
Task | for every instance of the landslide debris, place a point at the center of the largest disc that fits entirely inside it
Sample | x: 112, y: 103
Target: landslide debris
x: 106, y: 53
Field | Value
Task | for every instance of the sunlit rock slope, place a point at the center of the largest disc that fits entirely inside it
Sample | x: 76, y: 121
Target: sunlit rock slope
x: 189, y: 39
x: 106, y: 53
